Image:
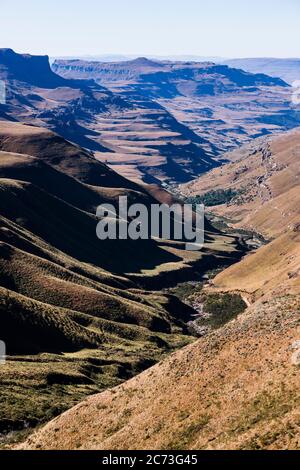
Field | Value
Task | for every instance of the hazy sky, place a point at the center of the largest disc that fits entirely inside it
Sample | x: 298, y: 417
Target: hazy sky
x: 228, y: 28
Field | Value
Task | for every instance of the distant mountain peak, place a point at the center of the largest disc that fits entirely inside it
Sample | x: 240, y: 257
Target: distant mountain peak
x: 144, y: 61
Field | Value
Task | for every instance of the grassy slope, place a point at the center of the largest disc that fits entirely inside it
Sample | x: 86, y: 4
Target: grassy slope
x: 74, y: 322
x: 273, y: 268
x: 234, y: 389
x: 268, y: 176
x: 61, y: 154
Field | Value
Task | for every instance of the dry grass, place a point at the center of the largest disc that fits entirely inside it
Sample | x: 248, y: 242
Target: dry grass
x: 234, y: 389
x: 273, y: 269
x: 74, y: 322
x: 268, y: 174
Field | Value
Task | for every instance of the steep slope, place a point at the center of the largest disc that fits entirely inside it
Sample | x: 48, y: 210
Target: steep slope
x: 158, y: 79
x: 36, y: 95
x: 61, y: 154
x: 265, y: 183
x: 272, y: 270
x: 237, y: 388
x: 35, y: 70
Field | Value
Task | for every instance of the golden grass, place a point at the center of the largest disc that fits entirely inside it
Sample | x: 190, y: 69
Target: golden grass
x: 273, y: 269
x: 267, y: 206
x: 73, y: 319
x: 234, y: 389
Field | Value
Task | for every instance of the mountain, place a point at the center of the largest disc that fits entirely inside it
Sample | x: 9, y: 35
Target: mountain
x: 264, y: 180
x: 152, y: 121
x: 154, y: 144
x: 224, y: 106
x: 286, y: 69
x: 61, y: 154
x: 78, y: 314
x: 34, y: 70
x: 84, y: 317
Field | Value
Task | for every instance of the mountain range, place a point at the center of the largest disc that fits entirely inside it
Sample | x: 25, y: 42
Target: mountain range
x: 152, y: 121
x: 224, y: 106
x: 141, y: 344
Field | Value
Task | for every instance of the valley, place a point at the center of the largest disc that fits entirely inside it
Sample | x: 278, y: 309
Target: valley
x: 236, y: 387
x: 78, y: 314
x: 214, y: 108
x: 110, y: 342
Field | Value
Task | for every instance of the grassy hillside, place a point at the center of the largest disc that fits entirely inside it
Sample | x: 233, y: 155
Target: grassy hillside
x: 273, y: 269
x: 235, y: 388
x: 265, y: 178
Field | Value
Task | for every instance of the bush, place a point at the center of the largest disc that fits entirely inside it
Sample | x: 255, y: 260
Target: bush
x: 214, y: 198
x: 221, y: 308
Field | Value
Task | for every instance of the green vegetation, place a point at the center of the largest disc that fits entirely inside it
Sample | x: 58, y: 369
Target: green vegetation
x: 219, y: 308
x: 214, y: 198
x: 185, y: 289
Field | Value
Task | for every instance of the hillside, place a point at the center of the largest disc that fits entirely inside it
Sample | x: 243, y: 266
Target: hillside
x: 264, y: 178
x: 224, y: 106
x: 60, y: 154
x: 78, y: 314
x: 274, y: 269
x: 237, y: 387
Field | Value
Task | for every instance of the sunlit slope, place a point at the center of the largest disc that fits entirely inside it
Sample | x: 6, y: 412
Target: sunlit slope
x: 266, y: 182
x: 274, y: 269
x: 74, y: 311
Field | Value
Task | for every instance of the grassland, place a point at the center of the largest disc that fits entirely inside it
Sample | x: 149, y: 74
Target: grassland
x: 236, y: 388
x: 79, y: 315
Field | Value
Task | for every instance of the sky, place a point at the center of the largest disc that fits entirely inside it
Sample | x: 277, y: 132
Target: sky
x: 225, y: 28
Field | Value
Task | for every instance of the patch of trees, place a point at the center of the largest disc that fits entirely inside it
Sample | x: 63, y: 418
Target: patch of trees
x: 214, y: 198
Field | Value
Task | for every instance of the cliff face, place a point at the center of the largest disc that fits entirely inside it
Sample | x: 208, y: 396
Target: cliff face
x: 167, y: 79
x: 211, y: 100
x: 28, y: 68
